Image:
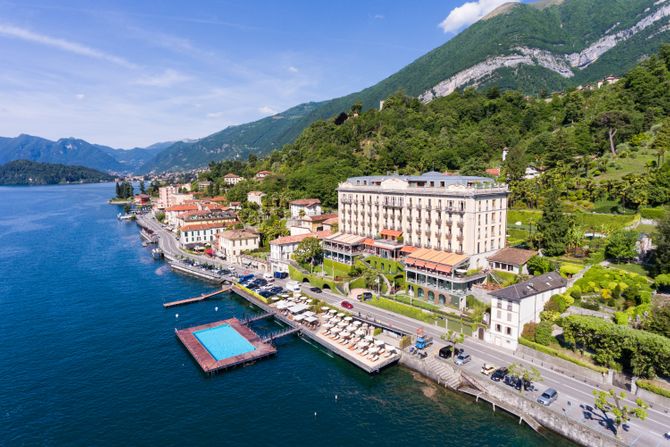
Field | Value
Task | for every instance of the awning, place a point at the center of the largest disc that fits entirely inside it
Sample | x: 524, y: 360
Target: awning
x: 298, y: 308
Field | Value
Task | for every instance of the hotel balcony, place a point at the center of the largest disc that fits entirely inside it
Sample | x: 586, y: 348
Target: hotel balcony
x: 346, y: 200
x: 449, y: 222
x: 459, y: 238
x: 460, y: 225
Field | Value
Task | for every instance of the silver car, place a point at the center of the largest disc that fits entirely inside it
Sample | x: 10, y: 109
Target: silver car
x: 463, y: 358
x: 549, y: 396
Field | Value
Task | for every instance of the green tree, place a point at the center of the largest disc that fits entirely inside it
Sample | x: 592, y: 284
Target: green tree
x: 611, y: 401
x: 620, y: 245
x: 554, y: 226
x: 611, y: 123
x: 661, y: 259
x: 538, y: 265
x: 309, y: 251
x: 527, y: 374
x: 455, y: 338
x: 661, y: 142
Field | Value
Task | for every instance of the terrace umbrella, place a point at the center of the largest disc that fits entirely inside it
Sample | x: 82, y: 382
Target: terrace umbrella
x: 379, y: 343
x: 342, y: 324
x: 357, y: 323
x: 348, y: 318
x: 310, y: 301
x: 335, y: 330
x: 341, y: 315
x: 351, y: 328
x: 325, y: 308
x: 299, y: 317
x: 345, y: 334
x: 332, y: 311
x: 360, y: 333
x: 369, y: 338
x: 373, y: 350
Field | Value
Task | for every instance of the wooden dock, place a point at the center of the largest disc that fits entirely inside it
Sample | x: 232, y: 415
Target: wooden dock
x: 208, y: 363
x: 195, y: 299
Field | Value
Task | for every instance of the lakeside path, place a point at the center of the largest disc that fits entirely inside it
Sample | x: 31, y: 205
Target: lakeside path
x: 572, y: 392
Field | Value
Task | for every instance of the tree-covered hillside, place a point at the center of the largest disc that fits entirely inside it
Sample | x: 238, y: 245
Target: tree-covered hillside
x: 559, y: 29
x: 24, y: 172
x: 566, y: 135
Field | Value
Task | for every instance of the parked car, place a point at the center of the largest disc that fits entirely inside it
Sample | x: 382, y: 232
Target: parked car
x: 488, y: 369
x: 549, y: 396
x: 315, y: 289
x: 448, y: 351
x: 364, y: 296
x: 265, y: 293
x: 281, y: 275
x: 499, y: 374
x: 463, y: 358
x: 347, y: 305
x: 276, y: 290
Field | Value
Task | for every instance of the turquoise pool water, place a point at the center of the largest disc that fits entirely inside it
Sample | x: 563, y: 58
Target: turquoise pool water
x: 223, y: 341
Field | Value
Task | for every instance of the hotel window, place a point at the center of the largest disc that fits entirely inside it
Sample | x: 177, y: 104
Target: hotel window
x: 509, y: 316
x: 498, y: 328
x: 508, y: 330
x: 498, y: 314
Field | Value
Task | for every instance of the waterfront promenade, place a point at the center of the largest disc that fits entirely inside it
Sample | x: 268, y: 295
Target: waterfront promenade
x: 573, y: 392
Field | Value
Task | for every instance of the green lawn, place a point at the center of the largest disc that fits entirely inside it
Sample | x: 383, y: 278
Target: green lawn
x: 334, y: 268
x: 633, y: 268
x: 586, y: 221
x: 627, y: 166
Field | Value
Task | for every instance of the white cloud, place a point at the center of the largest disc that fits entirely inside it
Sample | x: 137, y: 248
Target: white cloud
x: 166, y: 79
x: 80, y: 96
x: 378, y: 17
x: 293, y: 69
x: 62, y: 44
x: 213, y: 115
x: 267, y: 110
x: 469, y: 12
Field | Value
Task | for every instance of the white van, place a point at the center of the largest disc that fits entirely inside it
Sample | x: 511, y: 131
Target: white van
x: 293, y: 286
x: 269, y: 277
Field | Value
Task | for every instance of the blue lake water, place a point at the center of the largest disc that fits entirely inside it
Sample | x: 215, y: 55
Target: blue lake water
x: 89, y: 356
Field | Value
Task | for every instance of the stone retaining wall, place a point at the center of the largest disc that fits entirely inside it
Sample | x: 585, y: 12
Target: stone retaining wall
x: 562, y: 366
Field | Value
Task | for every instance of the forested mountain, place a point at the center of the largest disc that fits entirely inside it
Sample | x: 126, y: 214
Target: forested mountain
x: 566, y: 136
x: 539, y: 47
x: 73, y: 151
x: 24, y: 172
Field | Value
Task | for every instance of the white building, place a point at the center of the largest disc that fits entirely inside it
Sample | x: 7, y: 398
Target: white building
x: 172, y: 213
x: 463, y: 215
x: 230, y: 244
x: 231, y: 179
x: 305, y: 207
x: 170, y: 196
x: 511, y: 259
x: 200, y: 234
x: 282, y: 248
x: 256, y: 197
x: 516, y: 305
x: 260, y: 175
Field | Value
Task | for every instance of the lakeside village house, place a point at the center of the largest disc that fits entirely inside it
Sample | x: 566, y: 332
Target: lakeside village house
x: 231, y: 244
x: 515, y: 306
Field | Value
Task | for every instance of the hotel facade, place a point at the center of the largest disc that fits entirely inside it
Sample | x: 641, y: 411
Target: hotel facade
x: 462, y: 215
x: 443, y: 227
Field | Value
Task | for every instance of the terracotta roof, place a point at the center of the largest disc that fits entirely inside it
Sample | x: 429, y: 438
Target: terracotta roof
x: 231, y: 175
x: 391, y: 233
x: 369, y: 242
x: 331, y: 221
x: 320, y: 217
x: 182, y: 208
x: 203, y: 226
x: 234, y: 203
x: 263, y: 173
x: 305, y: 202
x: 286, y: 240
x: 219, y: 199
x: 237, y: 234
x: 408, y: 249
x: 443, y: 261
x: 493, y: 171
x: 534, y: 286
x: 512, y: 256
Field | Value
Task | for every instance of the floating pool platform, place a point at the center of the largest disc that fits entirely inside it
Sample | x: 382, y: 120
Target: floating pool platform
x: 223, y: 344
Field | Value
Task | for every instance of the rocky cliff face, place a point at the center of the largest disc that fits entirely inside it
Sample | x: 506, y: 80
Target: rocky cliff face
x: 562, y: 64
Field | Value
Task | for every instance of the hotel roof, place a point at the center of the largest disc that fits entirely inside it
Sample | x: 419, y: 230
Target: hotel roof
x: 534, y: 286
x: 347, y: 239
x: 427, y: 177
x: 442, y: 261
x: 231, y: 175
x: 237, y: 234
x: 184, y: 207
x: 320, y: 217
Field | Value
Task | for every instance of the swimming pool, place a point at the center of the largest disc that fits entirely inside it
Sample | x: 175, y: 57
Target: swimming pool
x: 223, y: 342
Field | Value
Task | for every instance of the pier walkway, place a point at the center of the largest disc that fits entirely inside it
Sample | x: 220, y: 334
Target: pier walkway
x: 288, y: 331
x: 195, y: 299
x: 257, y: 317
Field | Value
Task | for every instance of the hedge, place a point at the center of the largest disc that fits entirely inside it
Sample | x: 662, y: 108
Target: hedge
x: 649, y: 386
x: 384, y: 265
x: 644, y: 353
x: 314, y: 280
x: 556, y: 353
x: 254, y: 294
x: 653, y: 213
x: 402, y: 309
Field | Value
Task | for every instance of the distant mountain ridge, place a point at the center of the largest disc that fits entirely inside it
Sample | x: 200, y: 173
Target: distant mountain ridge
x: 545, y: 46
x: 74, y: 151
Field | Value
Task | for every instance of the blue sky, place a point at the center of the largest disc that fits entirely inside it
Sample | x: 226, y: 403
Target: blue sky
x: 131, y: 73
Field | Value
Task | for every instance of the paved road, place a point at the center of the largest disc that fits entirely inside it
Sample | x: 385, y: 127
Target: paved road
x: 573, y: 394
